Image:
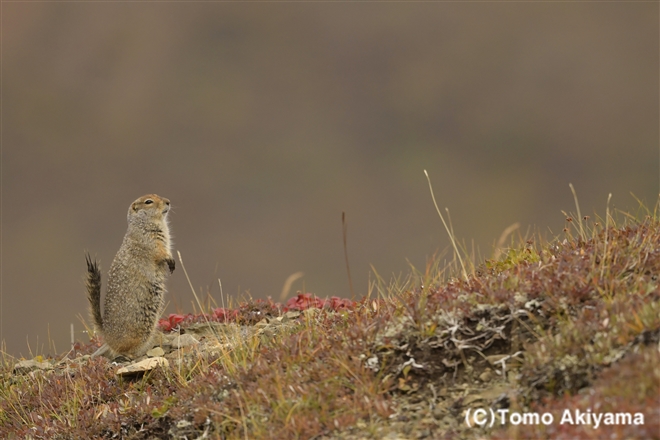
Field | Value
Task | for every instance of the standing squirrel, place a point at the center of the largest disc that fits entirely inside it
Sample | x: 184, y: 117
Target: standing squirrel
x: 136, y: 281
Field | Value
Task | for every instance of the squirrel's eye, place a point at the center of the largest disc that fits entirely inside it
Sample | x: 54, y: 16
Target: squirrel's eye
x: 148, y: 202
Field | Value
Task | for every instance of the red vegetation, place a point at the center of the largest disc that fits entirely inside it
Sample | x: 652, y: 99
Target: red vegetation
x: 304, y: 301
x: 254, y: 311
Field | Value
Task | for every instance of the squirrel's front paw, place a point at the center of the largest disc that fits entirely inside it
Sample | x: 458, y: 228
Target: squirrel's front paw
x: 170, y: 264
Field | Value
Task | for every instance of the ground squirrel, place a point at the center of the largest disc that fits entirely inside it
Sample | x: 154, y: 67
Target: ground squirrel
x: 136, y: 281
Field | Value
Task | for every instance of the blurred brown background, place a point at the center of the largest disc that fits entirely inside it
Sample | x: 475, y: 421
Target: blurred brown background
x: 262, y: 122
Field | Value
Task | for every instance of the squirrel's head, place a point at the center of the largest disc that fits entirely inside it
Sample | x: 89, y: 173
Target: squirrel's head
x: 149, y: 207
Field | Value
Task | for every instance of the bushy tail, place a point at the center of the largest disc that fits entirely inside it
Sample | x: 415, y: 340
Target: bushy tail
x: 93, y: 282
